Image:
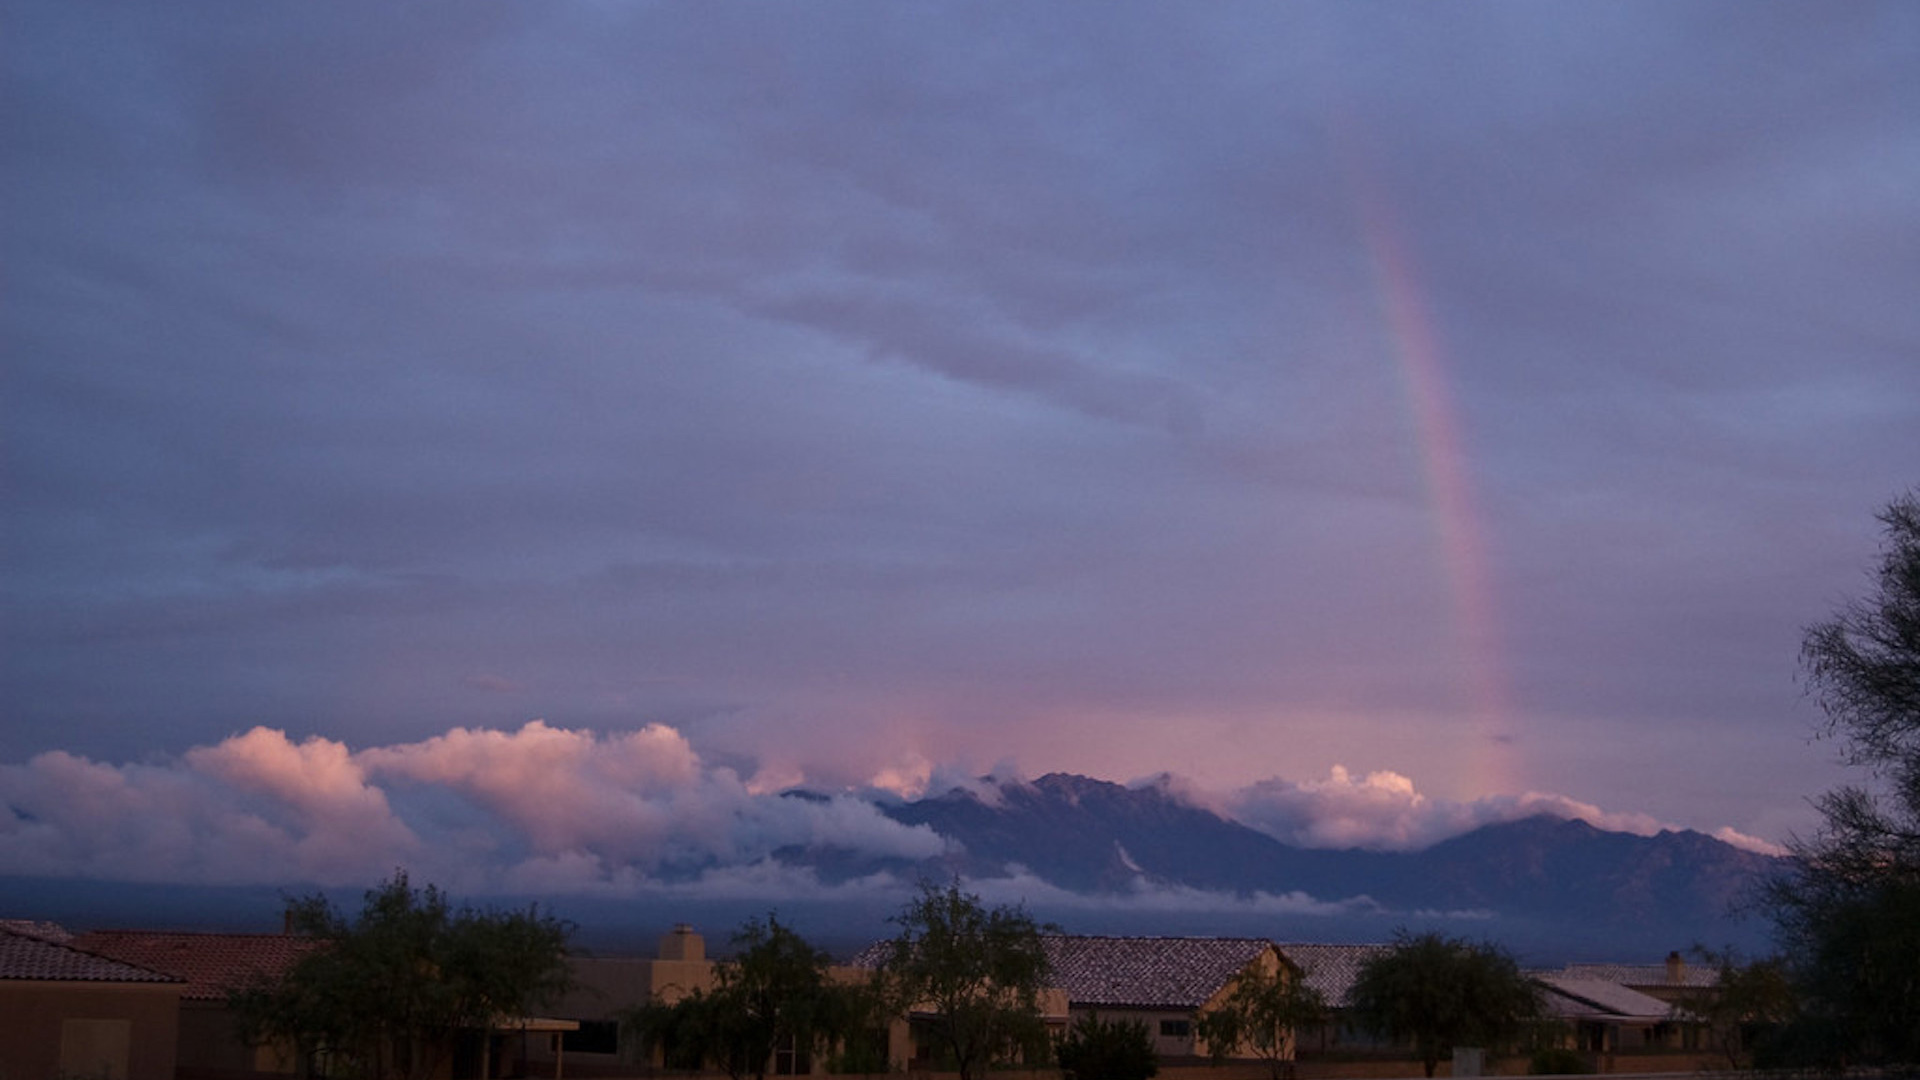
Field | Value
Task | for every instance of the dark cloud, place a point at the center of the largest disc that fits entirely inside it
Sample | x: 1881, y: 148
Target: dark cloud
x: 976, y: 384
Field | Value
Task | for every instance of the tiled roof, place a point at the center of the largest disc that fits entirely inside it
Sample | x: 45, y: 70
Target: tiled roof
x: 1331, y: 969
x: 25, y: 957
x: 1690, y: 975
x: 211, y: 964
x: 34, y: 928
x: 1138, y: 972
x: 1610, y: 999
x: 1147, y: 972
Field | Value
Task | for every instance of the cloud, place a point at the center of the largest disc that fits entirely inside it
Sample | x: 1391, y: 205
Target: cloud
x: 1383, y: 811
x: 471, y: 807
x: 573, y: 811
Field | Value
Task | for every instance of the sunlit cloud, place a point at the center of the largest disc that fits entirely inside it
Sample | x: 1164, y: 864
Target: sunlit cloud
x: 1383, y: 811
x: 576, y: 811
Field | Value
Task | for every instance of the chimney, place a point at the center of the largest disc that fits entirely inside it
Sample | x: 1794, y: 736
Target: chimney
x: 683, y: 944
x: 1676, y: 968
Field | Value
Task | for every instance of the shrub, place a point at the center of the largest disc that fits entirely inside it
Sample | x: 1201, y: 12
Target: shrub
x: 1558, y: 1062
x: 1097, y: 1049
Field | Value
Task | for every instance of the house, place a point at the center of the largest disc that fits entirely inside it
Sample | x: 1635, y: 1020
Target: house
x: 1163, y: 982
x: 1605, y: 1017
x: 213, y: 966
x: 604, y: 988
x: 70, y: 1012
x: 1331, y: 970
x: 1676, y: 984
x: 1673, y: 982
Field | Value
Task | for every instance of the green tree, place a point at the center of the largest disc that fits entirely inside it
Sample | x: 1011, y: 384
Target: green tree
x: 1096, y: 1049
x: 1748, y: 1002
x: 1849, y: 911
x: 978, y: 972
x: 1262, y: 1013
x: 775, y: 994
x: 383, y: 995
x: 1440, y: 992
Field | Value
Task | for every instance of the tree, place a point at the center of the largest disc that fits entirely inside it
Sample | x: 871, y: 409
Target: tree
x: 978, y: 972
x: 1441, y: 992
x: 774, y: 994
x: 1096, y: 1049
x: 1849, y: 911
x: 1747, y: 1003
x: 384, y: 994
x: 1262, y: 1013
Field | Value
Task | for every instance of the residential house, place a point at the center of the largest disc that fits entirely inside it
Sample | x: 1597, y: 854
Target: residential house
x: 213, y: 965
x: 70, y: 1012
x: 1332, y: 970
x: 1604, y: 1017
x: 1163, y: 982
x: 605, y: 988
x: 1673, y: 982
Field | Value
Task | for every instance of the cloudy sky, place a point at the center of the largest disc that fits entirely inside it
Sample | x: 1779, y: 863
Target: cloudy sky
x: 1380, y: 417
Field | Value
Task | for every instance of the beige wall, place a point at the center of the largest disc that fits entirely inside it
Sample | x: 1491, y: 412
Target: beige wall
x: 114, y: 1031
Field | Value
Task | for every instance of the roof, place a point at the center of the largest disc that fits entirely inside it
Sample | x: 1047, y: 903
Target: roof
x: 1332, y: 969
x: 34, y: 928
x: 212, y: 964
x: 1132, y: 972
x: 26, y: 957
x: 1688, y: 975
x: 1147, y: 972
x: 1598, y: 998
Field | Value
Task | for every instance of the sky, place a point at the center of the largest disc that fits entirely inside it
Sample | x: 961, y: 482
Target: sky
x: 542, y: 433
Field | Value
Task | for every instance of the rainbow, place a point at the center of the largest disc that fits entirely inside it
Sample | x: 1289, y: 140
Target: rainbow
x: 1419, y: 355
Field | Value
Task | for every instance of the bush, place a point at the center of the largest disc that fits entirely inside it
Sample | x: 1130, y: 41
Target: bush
x: 1558, y: 1062
x: 1097, y: 1049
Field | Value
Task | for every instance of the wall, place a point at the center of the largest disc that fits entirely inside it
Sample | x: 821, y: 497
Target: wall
x: 119, y: 1031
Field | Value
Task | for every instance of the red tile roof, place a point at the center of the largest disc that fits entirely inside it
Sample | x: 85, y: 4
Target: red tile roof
x: 30, y: 958
x: 212, y: 964
x: 1147, y: 972
x: 1332, y: 969
x: 45, y: 931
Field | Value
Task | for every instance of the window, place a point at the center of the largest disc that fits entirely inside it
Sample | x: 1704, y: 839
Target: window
x: 594, y: 1037
x: 1176, y: 1029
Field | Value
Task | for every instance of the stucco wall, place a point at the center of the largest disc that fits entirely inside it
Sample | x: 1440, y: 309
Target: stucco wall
x: 119, y: 1032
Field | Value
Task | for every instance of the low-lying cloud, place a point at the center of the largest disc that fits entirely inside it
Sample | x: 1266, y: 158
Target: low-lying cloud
x: 578, y: 812
x: 1383, y: 811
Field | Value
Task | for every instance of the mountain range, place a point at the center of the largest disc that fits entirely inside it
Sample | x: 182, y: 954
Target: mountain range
x: 1542, y: 883
x: 1096, y: 857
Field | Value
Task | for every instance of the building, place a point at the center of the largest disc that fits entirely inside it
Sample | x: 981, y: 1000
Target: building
x: 1163, y: 982
x: 70, y: 1012
x: 213, y: 966
x: 1331, y: 971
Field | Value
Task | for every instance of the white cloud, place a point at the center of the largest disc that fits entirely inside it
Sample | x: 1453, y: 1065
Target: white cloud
x: 573, y: 811
x: 569, y: 810
x: 1384, y: 811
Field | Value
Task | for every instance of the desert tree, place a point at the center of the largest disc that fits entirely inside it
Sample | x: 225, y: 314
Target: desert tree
x: 1439, y: 992
x: 1848, y: 909
x: 1262, y: 1014
x: 976, y: 972
x: 384, y: 993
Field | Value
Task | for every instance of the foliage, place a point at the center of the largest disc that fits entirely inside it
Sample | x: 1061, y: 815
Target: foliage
x: 1747, y: 1005
x: 978, y: 972
x: 383, y: 994
x: 1558, y: 1061
x: 1096, y: 1049
x: 1442, y: 992
x: 1849, y: 911
x: 774, y: 993
x: 1261, y: 1014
